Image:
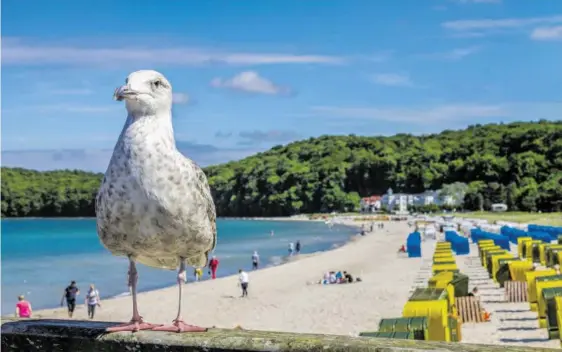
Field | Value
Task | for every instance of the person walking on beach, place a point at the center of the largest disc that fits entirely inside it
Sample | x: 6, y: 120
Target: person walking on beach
x: 23, y: 308
x: 70, y: 293
x: 213, y: 265
x: 291, y: 248
x: 92, y: 301
x: 198, y: 274
x: 255, y: 260
x: 243, y: 278
x: 298, y: 247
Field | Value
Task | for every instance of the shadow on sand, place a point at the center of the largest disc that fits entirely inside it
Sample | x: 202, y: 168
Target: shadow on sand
x: 524, y: 340
x: 518, y: 328
x: 519, y: 319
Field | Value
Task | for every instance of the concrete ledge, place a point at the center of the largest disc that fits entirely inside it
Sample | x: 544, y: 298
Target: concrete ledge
x: 43, y: 335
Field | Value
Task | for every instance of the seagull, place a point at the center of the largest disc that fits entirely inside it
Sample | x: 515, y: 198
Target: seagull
x: 154, y: 205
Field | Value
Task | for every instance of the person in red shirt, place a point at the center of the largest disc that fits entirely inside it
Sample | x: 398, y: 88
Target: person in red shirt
x: 213, y: 265
x: 23, y: 308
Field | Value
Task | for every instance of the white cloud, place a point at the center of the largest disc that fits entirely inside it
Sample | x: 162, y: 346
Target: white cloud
x: 455, y: 54
x: 469, y: 34
x: 249, y: 81
x: 180, y: 98
x: 392, y: 79
x: 16, y: 52
x: 257, y: 137
x: 66, y: 108
x: 420, y: 115
x: 459, y: 53
x: 98, y: 159
x: 448, y: 115
x: 547, y: 33
x: 504, y: 23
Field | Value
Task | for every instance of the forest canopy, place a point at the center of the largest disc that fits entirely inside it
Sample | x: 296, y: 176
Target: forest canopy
x: 519, y: 164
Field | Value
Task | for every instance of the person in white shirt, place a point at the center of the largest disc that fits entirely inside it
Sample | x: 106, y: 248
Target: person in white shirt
x: 243, y: 277
x: 92, y: 300
x: 291, y: 248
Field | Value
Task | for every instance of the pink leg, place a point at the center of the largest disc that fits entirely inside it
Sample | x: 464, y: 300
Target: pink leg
x: 178, y: 325
x: 136, y: 323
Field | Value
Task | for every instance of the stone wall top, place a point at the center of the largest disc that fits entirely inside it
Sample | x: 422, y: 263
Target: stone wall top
x: 40, y: 335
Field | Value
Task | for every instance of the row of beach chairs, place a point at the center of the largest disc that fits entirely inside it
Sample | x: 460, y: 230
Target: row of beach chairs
x: 533, y: 277
x: 431, y: 312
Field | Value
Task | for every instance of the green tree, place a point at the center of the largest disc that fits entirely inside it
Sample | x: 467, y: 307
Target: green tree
x: 519, y: 164
x: 511, y: 195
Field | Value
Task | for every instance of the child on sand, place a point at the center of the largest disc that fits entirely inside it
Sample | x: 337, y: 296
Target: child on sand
x: 23, y: 308
x: 198, y: 272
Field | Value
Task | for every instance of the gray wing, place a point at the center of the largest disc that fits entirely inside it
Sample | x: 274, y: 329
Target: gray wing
x: 204, y: 191
x: 203, y: 187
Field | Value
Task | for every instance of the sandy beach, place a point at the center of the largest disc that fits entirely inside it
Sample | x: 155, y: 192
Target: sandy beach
x: 287, y: 297
x: 282, y: 298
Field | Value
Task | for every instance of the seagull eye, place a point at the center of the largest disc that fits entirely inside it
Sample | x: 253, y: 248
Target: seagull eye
x: 157, y: 84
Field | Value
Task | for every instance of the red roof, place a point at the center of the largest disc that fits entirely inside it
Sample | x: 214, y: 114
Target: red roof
x: 371, y: 199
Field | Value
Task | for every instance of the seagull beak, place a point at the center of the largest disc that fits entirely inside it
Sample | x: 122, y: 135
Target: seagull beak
x: 123, y: 92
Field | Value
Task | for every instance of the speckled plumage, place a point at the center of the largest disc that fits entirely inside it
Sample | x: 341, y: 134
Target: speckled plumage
x: 154, y: 204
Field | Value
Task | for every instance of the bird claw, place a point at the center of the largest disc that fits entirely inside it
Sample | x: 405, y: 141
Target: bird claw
x: 132, y: 326
x: 179, y: 326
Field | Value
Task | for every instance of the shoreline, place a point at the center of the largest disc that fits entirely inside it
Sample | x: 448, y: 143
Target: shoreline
x: 352, y: 239
x: 285, y: 260
x: 287, y: 297
x: 354, y: 228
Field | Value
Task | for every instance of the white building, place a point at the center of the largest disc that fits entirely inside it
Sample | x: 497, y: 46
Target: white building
x: 370, y: 204
x: 499, y: 207
x: 425, y: 198
x: 401, y: 201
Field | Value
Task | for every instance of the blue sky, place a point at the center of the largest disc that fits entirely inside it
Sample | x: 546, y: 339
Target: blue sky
x: 251, y: 74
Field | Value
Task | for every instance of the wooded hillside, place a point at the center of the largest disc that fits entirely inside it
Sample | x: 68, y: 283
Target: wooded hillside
x: 519, y: 164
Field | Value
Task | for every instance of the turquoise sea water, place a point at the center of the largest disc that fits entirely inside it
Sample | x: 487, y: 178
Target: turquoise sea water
x: 41, y: 256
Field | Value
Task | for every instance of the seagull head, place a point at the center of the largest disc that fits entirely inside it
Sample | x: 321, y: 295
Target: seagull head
x: 145, y: 92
